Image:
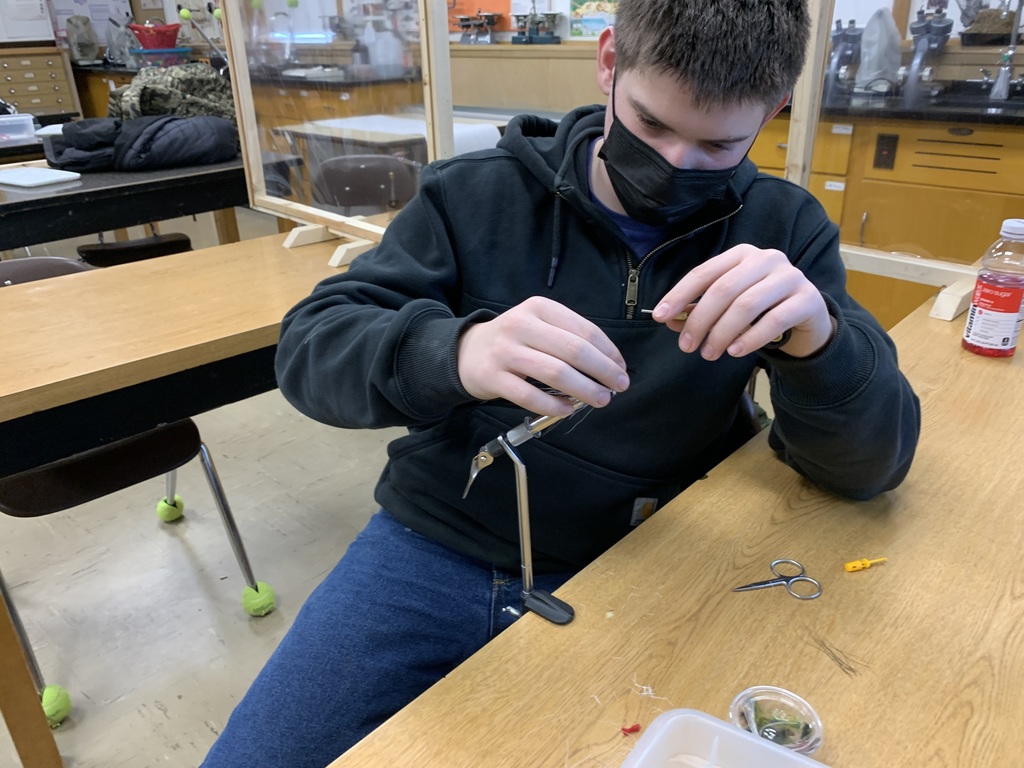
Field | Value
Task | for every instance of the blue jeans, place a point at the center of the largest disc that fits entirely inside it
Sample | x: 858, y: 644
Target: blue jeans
x: 396, y: 614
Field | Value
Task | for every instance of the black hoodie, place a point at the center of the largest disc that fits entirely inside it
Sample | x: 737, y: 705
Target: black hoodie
x: 375, y: 347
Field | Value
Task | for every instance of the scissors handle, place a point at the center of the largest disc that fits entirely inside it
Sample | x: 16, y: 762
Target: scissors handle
x: 803, y: 580
x: 800, y: 577
x: 786, y: 580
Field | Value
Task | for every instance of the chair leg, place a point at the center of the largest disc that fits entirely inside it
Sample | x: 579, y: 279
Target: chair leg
x: 55, y: 699
x: 258, y: 598
x: 171, y: 507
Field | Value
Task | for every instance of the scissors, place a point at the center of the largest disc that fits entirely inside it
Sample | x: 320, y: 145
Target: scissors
x: 787, y: 581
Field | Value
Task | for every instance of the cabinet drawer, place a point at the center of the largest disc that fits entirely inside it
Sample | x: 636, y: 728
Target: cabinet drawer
x: 32, y: 104
x: 31, y: 76
x: 13, y: 63
x: 34, y: 88
x: 831, y: 147
x: 985, y: 159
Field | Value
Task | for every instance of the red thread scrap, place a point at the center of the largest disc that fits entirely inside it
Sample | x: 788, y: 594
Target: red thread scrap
x: 634, y: 728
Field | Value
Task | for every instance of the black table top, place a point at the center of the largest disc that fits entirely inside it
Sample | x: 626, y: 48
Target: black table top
x: 109, y: 200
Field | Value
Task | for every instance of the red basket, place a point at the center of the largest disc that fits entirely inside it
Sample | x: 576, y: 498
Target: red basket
x: 163, y: 37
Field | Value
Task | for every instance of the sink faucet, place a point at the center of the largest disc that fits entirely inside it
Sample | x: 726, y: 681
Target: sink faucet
x: 930, y: 36
x: 845, y: 55
x: 1001, y: 88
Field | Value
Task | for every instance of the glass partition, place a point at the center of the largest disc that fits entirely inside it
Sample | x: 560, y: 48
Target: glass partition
x: 336, y: 90
x: 918, y: 150
x: 905, y: 124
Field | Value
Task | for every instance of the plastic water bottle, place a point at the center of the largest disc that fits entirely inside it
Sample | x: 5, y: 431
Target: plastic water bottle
x: 997, y: 307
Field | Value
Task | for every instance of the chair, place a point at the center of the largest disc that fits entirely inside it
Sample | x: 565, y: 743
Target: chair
x: 361, y: 185
x: 103, y: 254
x: 92, y: 474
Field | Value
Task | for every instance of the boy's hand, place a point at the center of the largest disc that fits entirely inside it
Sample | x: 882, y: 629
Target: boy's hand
x: 741, y: 300
x: 542, y: 340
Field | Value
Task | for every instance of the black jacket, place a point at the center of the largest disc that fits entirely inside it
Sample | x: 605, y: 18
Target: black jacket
x: 375, y: 347
x: 143, y: 144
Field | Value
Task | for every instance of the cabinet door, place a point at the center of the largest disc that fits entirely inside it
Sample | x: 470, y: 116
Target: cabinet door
x: 831, y: 147
x: 932, y: 222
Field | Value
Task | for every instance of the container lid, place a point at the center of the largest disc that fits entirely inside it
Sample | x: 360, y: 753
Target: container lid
x: 688, y: 737
x: 778, y: 715
x: 1013, y: 229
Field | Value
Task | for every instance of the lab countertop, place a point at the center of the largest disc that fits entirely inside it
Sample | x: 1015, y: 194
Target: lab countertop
x: 942, y: 108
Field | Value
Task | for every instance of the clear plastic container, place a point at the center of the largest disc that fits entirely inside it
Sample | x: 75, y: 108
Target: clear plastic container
x: 687, y: 737
x: 778, y: 715
x: 16, y: 129
x: 997, y: 306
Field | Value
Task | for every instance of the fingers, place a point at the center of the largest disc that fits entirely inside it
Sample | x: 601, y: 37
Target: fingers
x: 748, y: 299
x: 544, y: 341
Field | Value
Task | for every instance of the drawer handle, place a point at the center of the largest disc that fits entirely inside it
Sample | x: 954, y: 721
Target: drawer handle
x: 782, y: 145
x: 863, y: 223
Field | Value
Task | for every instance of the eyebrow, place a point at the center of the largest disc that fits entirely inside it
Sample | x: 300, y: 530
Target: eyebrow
x: 646, y: 113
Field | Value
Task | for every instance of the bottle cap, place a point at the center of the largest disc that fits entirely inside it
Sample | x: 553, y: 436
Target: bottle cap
x: 1013, y: 229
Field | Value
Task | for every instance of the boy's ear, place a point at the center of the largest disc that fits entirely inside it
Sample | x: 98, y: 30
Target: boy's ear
x: 606, y: 60
x: 778, y: 108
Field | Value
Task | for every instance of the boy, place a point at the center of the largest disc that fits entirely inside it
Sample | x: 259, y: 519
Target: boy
x: 519, y: 273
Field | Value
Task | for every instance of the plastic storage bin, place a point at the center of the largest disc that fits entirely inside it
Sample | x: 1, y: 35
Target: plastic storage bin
x: 160, y: 57
x: 685, y: 737
x: 16, y: 129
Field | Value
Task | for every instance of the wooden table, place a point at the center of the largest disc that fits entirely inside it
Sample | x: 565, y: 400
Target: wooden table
x: 167, y: 338
x: 915, y: 662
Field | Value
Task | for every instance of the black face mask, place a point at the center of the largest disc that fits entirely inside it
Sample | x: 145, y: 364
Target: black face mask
x: 651, y: 189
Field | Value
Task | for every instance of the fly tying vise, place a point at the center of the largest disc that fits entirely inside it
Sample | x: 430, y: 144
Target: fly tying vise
x: 539, y: 601
x: 515, y: 436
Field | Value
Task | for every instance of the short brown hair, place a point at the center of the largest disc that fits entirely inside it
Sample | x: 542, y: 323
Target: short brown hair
x: 726, y: 51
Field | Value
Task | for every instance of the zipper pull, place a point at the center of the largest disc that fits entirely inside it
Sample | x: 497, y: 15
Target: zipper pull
x: 632, y: 288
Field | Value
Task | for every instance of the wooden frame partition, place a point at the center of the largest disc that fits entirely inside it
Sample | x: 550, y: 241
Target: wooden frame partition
x: 437, y: 101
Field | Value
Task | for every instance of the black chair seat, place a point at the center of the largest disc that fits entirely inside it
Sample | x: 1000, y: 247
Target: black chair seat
x: 98, y: 472
x: 112, y: 254
x: 17, y: 271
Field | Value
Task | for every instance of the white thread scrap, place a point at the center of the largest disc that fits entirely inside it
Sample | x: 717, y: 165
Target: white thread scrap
x: 646, y: 690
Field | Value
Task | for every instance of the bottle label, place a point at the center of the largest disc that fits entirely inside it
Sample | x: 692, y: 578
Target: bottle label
x: 994, y: 319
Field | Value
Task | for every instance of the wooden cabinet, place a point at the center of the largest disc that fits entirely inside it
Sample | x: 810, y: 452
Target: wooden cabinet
x: 94, y: 87
x: 829, y: 163
x: 37, y: 81
x: 929, y: 190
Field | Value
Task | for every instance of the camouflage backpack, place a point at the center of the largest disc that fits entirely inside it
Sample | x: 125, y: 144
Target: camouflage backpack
x: 183, y: 89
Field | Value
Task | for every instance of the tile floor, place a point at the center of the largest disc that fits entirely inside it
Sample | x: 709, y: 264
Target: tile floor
x: 142, y: 621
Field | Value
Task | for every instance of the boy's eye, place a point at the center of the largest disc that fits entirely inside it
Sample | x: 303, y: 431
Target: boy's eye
x: 648, y: 122
x: 718, y: 146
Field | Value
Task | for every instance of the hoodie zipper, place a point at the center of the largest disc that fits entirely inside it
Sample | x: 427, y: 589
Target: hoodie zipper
x: 633, y: 274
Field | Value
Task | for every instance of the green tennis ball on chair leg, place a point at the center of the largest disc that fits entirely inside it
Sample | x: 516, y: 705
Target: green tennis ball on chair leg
x: 259, y: 601
x: 56, y: 704
x: 170, y: 512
